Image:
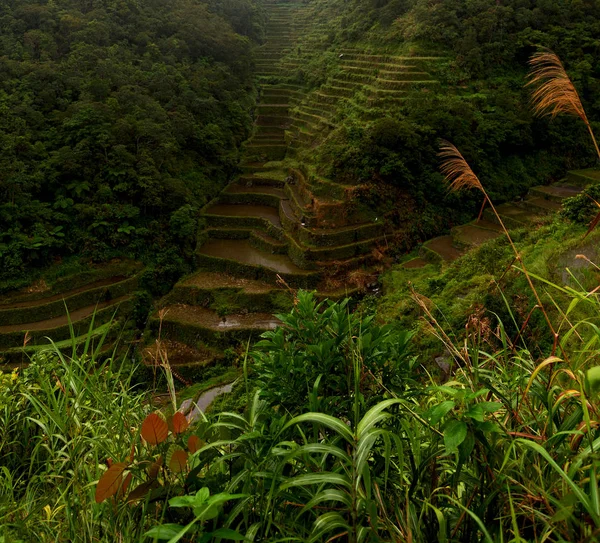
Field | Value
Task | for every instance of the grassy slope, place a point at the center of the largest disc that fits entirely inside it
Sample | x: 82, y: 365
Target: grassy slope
x: 485, y: 283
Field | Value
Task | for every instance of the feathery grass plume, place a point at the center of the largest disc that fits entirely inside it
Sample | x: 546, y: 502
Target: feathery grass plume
x: 456, y: 169
x: 554, y: 92
x: 460, y: 175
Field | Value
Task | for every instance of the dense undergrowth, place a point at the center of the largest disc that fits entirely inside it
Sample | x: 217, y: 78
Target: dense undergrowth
x: 340, y: 427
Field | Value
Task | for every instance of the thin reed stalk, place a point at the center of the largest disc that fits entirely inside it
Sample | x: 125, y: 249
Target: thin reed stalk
x: 460, y: 176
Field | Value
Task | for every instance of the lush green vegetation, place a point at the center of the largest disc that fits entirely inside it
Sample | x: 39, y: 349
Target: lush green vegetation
x: 340, y: 431
x: 471, y: 415
x: 480, y: 103
x: 119, y: 121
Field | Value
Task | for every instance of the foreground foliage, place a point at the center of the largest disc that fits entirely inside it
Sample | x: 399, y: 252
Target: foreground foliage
x: 505, y: 449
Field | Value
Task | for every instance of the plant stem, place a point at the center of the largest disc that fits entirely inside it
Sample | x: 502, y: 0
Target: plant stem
x: 529, y: 280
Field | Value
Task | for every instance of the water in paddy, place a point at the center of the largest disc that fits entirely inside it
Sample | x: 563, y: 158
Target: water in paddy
x: 205, y: 399
x: 243, y: 252
x: 237, y: 210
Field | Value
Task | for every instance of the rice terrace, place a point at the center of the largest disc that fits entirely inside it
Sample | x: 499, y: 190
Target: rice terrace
x: 300, y: 271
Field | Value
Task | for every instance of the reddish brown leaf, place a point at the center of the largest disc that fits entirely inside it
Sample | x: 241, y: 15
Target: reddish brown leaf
x: 155, y: 468
x: 110, y: 482
x: 593, y: 225
x: 178, y: 461
x: 194, y: 443
x: 180, y: 423
x: 154, y: 429
x: 125, y: 486
x: 141, y: 490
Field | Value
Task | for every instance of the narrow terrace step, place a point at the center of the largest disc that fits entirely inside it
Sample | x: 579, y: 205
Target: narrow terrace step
x: 206, y: 280
x: 267, y: 140
x: 63, y: 320
x: 556, y: 193
x: 281, y: 121
x: 512, y: 216
x: 415, y: 264
x: 16, y: 357
x: 473, y: 235
x: 584, y: 177
x: 206, y: 318
x: 268, y: 152
x: 58, y: 328
x: 56, y: 305
x: 242, y: 194
x: 343, y: 84
x: 402, y: 85
x: 319, y: 112
x: 267, y: 213
x: 541, y: 205
x: 198, y: 326
x: 270, y: 131
x: 315, y: 120
x: 444, y: 248
x: 249, y: 180
x: 181, y: 355
x: 240, y: 258
x: 8, y: 304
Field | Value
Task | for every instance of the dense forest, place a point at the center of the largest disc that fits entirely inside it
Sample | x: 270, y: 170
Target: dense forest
x: 119, y: 121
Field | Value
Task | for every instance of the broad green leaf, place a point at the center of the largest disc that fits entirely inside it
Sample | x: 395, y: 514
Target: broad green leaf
x: 325, y: 420
x: 166, y: 531
x: 490, y: 407
x: 324, y: 477
x: 455, y: 433
x: 226, y: 533
x: 475, y: 412
x: 438, y: 412
x: 183, y: 501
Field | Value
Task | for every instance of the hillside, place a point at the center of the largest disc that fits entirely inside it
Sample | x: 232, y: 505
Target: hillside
x: 251, y: 291
x: 120, y: 120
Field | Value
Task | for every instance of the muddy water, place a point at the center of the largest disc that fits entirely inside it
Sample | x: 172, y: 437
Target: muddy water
x: 242, y: 251
x: 205, y: 399
x: 474, y: 235
x: 444, y: 247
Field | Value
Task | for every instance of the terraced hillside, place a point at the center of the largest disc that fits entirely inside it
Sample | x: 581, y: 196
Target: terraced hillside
x: 276, y: 227
x: 87, y: 299
x: 541, y: 201
x: 280, y: 225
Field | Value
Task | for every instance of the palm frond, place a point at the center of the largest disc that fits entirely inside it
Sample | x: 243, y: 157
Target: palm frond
x: 554, y: 91
x: 456, y: 169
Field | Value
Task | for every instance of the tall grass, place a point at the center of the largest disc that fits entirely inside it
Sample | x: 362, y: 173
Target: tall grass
x: 60, y: 420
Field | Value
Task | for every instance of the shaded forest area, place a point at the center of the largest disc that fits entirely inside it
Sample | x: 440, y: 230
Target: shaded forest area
x: 118, y: 121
